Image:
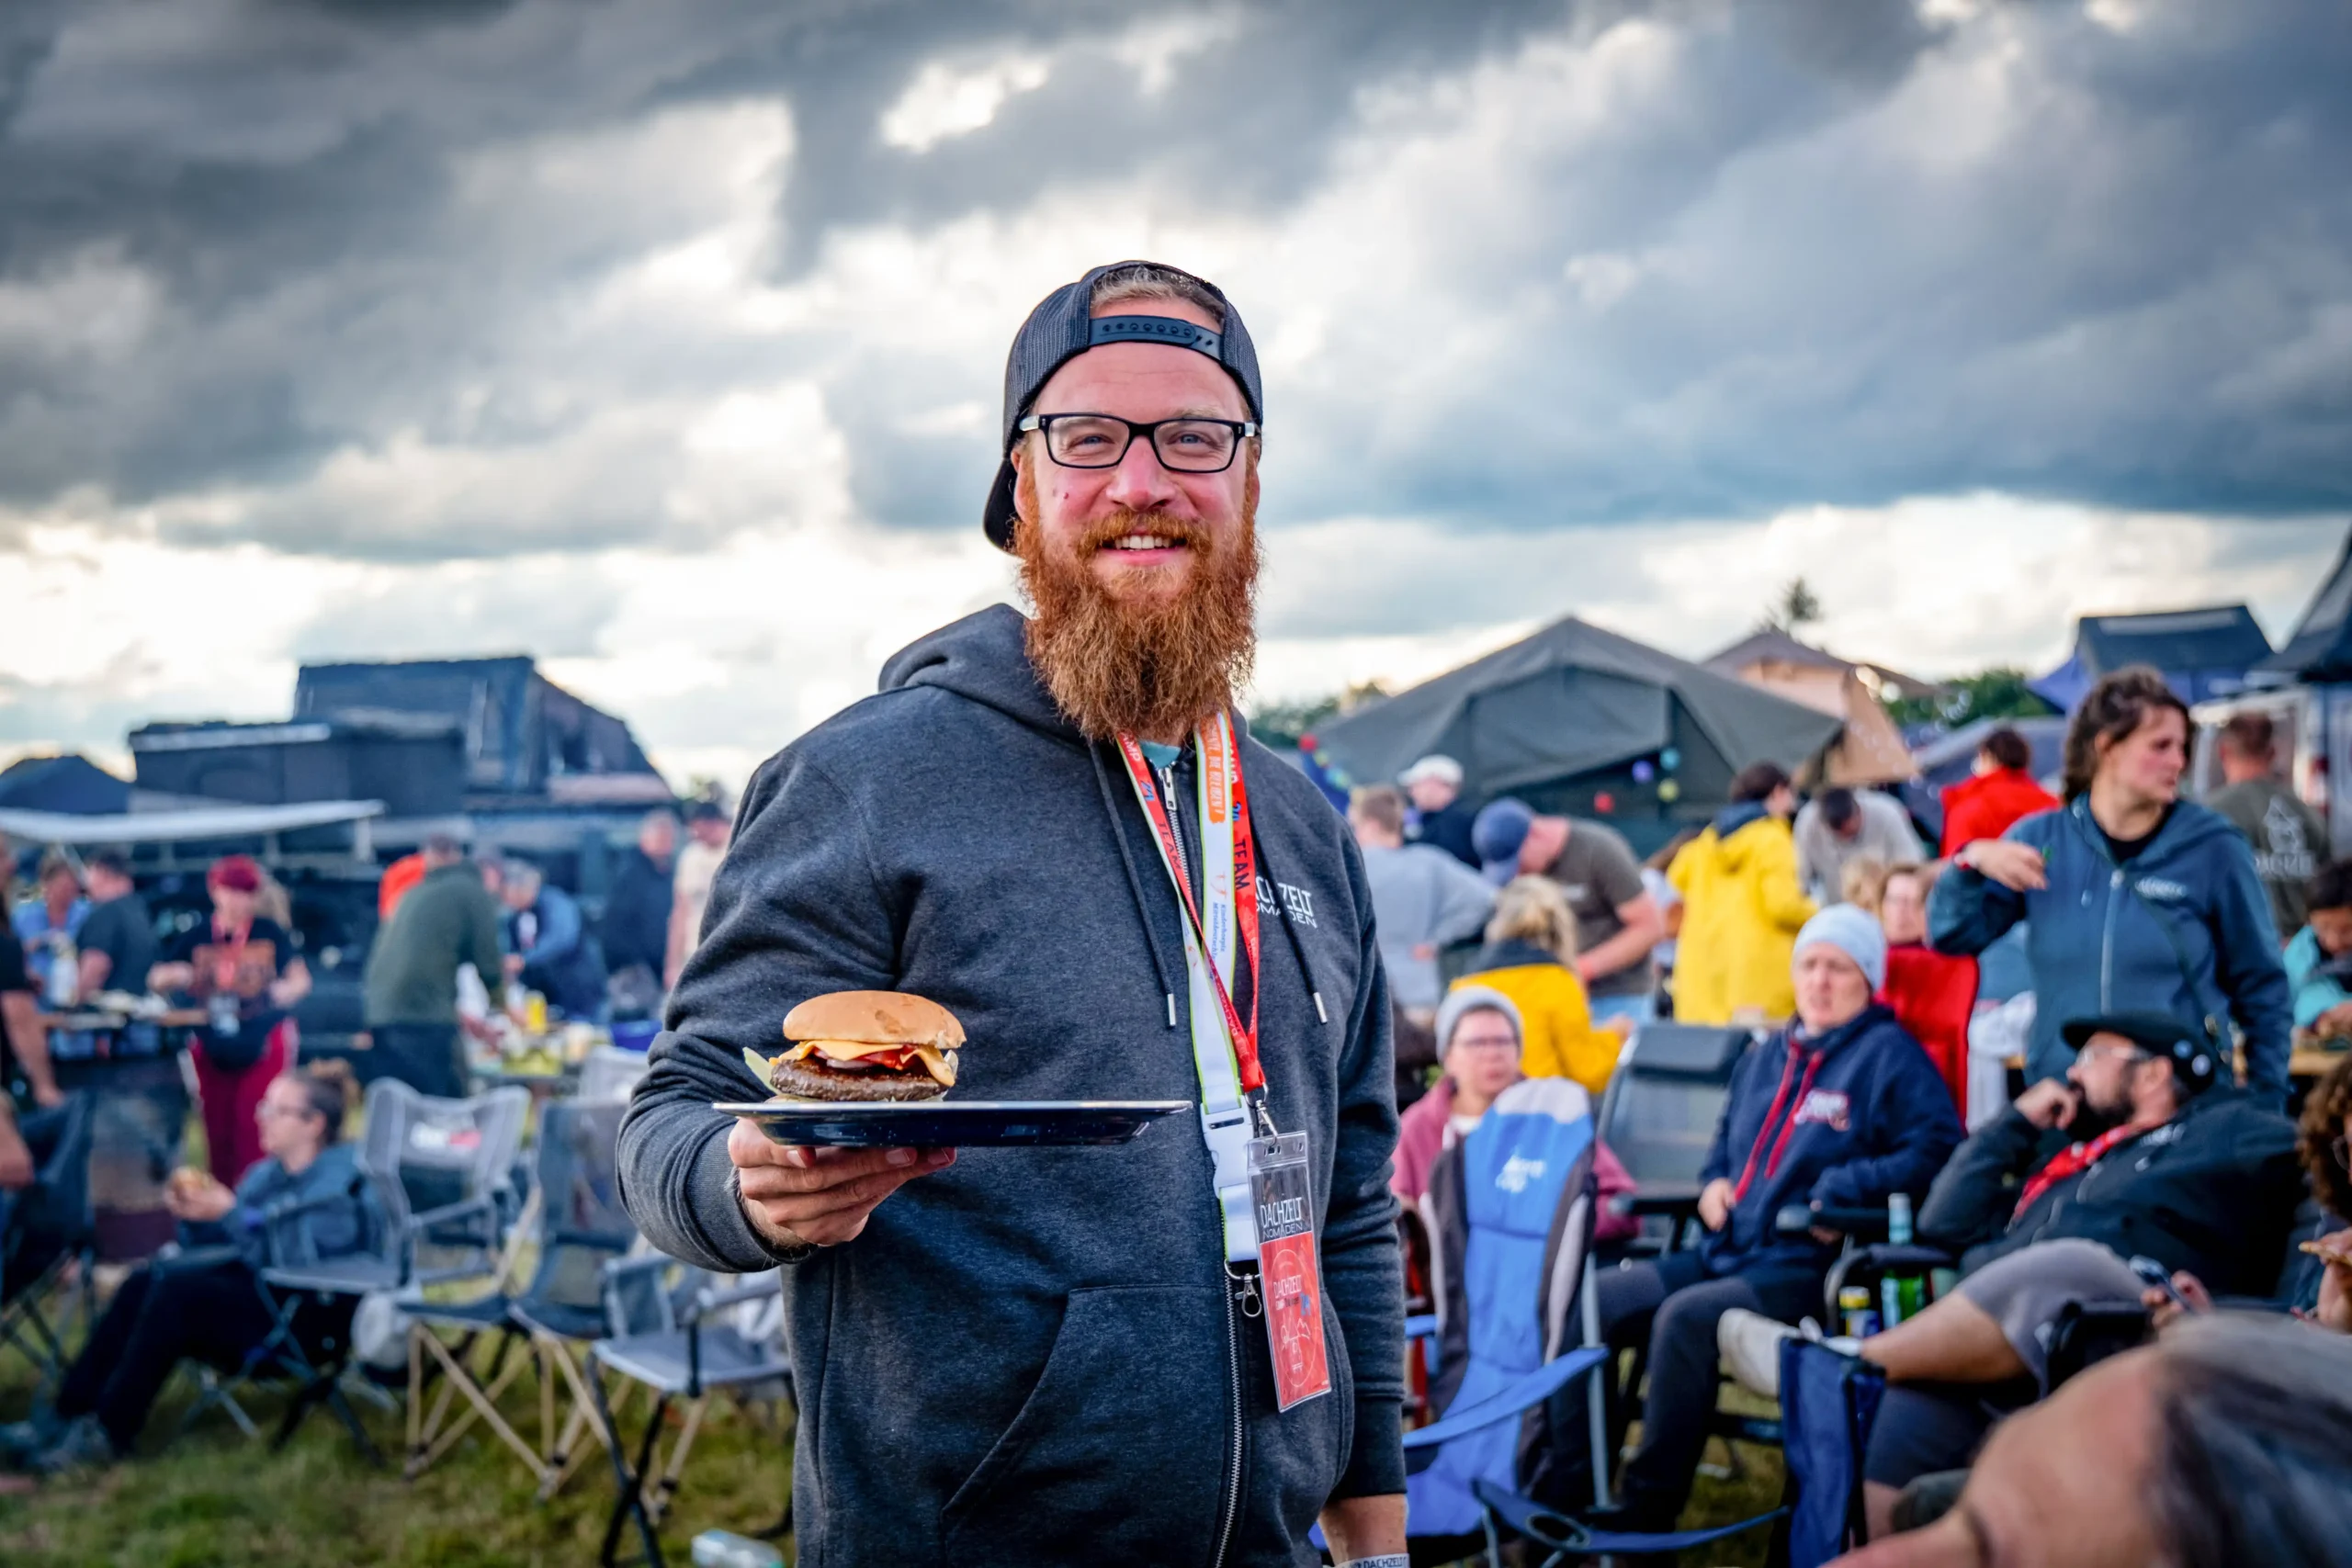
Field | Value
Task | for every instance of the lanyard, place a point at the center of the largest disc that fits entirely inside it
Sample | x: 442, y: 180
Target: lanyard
x: 1222, y: 918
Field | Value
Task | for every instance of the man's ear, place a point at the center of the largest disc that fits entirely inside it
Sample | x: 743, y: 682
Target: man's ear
x: 1019, y: 458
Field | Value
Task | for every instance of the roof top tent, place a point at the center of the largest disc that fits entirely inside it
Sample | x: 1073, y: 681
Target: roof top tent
x: 413, y: 762
x: 2319, y: 651
x: 71, y: 783
x: 521, y: 733
x: 2203, y: 653
x: 1872, y: 750
x: 1575, y: 718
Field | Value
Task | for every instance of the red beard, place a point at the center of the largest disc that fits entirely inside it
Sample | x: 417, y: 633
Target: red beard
x: 1153, y: 667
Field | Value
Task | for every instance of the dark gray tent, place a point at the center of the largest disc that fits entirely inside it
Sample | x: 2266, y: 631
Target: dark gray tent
x: 1573, y: 710
x: 2320, y: 647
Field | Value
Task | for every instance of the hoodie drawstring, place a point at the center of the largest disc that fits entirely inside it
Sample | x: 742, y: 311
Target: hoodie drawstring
x: 1764, y: 1132
x: 1134, y: 883
x: 1297, y: 949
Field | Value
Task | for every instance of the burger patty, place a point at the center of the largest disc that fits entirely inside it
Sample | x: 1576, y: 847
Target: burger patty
x: 811, y: 1079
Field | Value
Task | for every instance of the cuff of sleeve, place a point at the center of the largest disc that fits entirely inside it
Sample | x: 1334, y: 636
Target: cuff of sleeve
x: 1377, y: 1467
x: 718, y: 1209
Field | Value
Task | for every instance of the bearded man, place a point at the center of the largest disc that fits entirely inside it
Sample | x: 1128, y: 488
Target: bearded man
x: 1060, y: 1355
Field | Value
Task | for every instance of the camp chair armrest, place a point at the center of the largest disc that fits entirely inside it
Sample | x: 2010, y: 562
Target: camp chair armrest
x: 1510, y: 1401
x: 1670, y: 1198
x: 1420, y: 1326
x: 286, y: 1239
x: 718, y: 1300
x: 449, y: 1216
x: 1885, y: 1255
x: 1557, y: 1532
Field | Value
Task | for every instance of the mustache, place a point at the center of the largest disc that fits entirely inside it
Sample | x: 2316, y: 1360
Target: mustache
x: 1119, y: 524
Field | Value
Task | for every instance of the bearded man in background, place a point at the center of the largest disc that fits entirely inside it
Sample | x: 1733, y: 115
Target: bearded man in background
x: 1040, y: 1355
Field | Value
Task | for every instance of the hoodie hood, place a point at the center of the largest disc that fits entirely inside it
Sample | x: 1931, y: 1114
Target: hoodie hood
x: 1738, y: 815
x: 983, y: 657
x: 1512, y: 952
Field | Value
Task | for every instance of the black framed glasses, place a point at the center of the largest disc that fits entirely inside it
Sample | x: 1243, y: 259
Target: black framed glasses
x: 1100, y: 440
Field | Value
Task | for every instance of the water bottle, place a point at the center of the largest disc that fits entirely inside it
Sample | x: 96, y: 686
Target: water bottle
x: 720, y: 1549
x: 1898, y: 1219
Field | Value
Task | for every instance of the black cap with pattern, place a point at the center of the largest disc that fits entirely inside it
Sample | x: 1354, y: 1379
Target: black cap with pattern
x: 1063, y: 326
x: 2196, y: 1065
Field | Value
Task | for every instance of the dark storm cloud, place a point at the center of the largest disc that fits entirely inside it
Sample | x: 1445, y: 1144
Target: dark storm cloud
x: 1769, y: 276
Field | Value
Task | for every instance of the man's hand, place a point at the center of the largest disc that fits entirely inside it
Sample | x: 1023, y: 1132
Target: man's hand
x: 818, y: 1197
x: 1365, y: 1527
x: 2164, y: 1311
x: 195, y: 1197
x: 2018, y: 867
x: 1714, y: 1203
x: 2050, y: 1103
x: 2334, y: 1311
x: 2336, y: 1019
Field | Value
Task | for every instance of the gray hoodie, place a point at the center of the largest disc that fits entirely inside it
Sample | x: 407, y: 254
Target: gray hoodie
x: 1035, y: 1355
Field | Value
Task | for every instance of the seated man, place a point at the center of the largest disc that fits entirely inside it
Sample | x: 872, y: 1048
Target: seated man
x: 2228, y: 1443
x: 203, y: 1301
x: 2167, y: 1160
x: 1839, y: 1108
x: 2319, y: 956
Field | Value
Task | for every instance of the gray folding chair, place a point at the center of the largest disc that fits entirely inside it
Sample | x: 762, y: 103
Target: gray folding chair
x: 668, y: 1334
x: 439, y: 1170
x: 609, y: 1074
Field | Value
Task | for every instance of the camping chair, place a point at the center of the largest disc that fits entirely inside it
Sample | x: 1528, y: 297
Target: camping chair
x: 609, y: 1074
x: 46, y: 1230
x: 671, y: 1338
x: 1658, y: 1118
x: 582, y: 1227
x: 453, y: 1154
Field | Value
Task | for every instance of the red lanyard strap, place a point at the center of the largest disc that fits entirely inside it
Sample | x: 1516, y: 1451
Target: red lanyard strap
x: 1222, y: 784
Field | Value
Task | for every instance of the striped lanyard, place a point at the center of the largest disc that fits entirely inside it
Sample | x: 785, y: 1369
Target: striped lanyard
x: 1220, y: 928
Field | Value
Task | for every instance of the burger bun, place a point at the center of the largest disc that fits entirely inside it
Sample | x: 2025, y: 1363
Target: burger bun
x: 874, y: 1018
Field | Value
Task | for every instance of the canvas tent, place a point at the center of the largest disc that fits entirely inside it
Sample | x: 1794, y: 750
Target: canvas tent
x: 2320, y: 647
x: 1872, y: 750
x: 1574, y: 711
x: 71, y: 783
x: 2203, y: 653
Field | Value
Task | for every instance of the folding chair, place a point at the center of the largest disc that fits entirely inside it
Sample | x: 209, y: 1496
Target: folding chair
x: 1658, y: 1118
x: 583, y: 1226
x: 439, y: 1172
x: 609, y: 1074
x: 670, y: 1339
x: 45, y: 1230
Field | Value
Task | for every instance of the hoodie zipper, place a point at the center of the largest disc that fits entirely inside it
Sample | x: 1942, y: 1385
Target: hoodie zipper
x: 2107, y: 943
x: 1239, y: 1290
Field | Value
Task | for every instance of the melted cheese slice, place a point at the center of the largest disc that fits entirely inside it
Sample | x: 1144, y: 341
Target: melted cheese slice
x: 938, y: 1063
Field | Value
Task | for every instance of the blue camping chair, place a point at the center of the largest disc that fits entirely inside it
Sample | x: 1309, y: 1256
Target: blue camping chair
x: 1510, y: 1212
x: 45, y: 1229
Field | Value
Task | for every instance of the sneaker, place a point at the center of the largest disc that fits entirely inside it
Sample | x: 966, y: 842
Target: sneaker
x: 83, y: 1445
x: 1751, y: 1343
x: 19, y: 1440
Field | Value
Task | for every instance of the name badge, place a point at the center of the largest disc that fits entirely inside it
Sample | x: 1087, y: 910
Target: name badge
x: 1290, y: 1271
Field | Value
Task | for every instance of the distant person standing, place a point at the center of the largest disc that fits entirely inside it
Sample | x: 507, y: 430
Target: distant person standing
x: 636, y: 928
x: 547, y: 948
x: 1531, y: 946
x: 707, y: 831
x: 1998, y: 791
x: 1422, y: 899
x: 1617, y: 921
x: 50, y: 924
x: 446, y: 919
x: 1441, y: 816
x: 2289, y: 837
x: 1840, y: 826
x: 2133, y: 898
x: 117, y: 939
x: 1742, y: 907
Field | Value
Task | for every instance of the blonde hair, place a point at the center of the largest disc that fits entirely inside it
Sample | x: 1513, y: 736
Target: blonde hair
x: 1532, y: 909
x: 1864, y: 882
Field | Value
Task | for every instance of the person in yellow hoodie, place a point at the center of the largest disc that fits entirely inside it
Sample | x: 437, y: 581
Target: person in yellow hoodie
x: 1530, y: 956
x: 1742, y: 906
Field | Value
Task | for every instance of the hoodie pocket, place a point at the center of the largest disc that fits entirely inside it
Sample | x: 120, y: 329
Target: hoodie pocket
x: 1118, y: 1455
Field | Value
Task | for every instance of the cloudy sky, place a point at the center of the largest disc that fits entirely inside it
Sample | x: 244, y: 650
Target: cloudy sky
x: 663, y: 338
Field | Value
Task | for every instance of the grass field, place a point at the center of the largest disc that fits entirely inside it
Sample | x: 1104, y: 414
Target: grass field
x: 215, y: 1500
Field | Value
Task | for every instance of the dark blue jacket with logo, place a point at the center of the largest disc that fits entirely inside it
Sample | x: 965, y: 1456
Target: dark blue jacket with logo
x: 2095, y: 943
x: 1843, y: 1119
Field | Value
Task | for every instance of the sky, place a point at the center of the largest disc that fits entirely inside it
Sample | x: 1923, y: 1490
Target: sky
x: 664, y: 339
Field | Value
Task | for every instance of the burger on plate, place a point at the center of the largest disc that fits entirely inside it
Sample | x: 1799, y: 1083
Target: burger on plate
x: 862, y: 1045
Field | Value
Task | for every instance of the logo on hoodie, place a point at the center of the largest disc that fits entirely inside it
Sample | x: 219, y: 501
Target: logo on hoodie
x: 1298, y: 901
x: 1517, y: 1172
x: 2159, y: 887
x: 1826, y: 1106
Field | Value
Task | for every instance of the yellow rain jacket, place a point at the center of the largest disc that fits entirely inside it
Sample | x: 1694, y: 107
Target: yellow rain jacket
x: 1741, y: 912
x: 1558, y: 1040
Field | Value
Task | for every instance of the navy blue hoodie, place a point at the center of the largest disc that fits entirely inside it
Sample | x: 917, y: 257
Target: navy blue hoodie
x: 1844, y: 1121
x: 2095, y: 943
x: 1034, y: 1356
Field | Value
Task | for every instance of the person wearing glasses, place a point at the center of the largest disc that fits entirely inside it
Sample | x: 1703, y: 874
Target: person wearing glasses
x: 1039, y: 823
x: 2143, y: 1149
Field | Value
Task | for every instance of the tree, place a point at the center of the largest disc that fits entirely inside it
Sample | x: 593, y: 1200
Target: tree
x: 1797, y: 605
x: 1997, y: 692
x: 1282, y: 724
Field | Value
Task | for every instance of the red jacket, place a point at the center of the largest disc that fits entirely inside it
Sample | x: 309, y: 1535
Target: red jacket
x: 1984, y: 806
x: 1935, y: 995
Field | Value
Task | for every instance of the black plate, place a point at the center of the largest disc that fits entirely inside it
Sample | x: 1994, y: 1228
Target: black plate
x: 946, y: 1123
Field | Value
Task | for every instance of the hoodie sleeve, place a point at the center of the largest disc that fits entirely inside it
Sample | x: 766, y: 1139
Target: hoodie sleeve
x: 1913, y: 1130
x: 1461, y: 897
x: 1362, y: 1272
x: 1971, y: 1202
x: 1968, y: 911
x: 1719, y: 1147
x: 2315, y: 991
x: 1785, y: 903
x: 2245, y: 961
x: 796, y: 911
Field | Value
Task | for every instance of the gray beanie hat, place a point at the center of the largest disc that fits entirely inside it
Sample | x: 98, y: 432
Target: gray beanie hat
x: 1475, y: 998
x: 1852, y: 931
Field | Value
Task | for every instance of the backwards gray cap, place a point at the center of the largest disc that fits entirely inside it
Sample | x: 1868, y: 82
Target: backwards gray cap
x: 1064, y: 326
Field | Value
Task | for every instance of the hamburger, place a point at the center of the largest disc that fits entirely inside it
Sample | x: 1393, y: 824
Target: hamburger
x: 855, y: 1045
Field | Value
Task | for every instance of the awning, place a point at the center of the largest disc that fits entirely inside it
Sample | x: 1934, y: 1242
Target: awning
x: 195, y: 823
